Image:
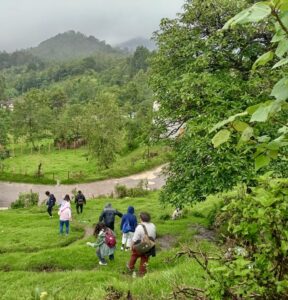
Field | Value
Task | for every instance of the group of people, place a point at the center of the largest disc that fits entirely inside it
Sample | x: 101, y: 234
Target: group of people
x: 64, y: 211
x: 132, y: 232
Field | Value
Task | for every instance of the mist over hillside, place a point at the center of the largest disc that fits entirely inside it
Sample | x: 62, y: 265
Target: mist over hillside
x: 70, y: 45
x: 132, y: 44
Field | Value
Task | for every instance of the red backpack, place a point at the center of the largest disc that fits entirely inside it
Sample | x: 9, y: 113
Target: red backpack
x: 110, y: 239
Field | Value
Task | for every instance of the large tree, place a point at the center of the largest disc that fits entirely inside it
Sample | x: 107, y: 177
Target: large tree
x: 197, y: 76
x: 103, y: 128
x: 32, y: 117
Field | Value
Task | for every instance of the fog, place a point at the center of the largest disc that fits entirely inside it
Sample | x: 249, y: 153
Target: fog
x: 26, y: 23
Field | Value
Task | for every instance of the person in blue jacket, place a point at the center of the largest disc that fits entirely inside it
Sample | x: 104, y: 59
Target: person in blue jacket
x: 128, y: 225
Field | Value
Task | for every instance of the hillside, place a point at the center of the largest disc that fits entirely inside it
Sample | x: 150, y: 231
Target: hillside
x: 70, y: 45
x: 35, y: 259
x: 132, y: 44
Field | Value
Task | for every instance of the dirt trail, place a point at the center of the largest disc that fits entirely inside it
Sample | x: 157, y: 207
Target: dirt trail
x: 9, y: 191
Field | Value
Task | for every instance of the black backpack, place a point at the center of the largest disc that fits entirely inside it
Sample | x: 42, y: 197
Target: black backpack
x: 80, y: 199
x: 52, y: 197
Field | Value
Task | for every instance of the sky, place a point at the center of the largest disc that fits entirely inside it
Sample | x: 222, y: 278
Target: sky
x: 26, y: 23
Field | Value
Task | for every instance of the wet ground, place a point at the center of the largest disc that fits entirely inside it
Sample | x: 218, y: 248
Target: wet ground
x: 9, y: 191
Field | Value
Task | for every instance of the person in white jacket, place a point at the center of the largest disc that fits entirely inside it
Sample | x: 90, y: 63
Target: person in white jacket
x: 65, y: 214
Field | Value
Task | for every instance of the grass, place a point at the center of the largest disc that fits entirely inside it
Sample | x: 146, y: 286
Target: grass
x: 35, y: 258
x: 74, y: 166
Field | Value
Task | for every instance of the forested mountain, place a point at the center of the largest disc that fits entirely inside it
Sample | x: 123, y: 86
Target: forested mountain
x: 70, y: 45
x: 60, y: 99
x: 132, y: 44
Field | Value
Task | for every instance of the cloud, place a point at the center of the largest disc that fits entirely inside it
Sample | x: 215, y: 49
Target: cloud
x: 26, y: 23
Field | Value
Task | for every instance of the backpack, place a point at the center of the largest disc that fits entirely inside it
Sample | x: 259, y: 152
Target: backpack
x: 80, y: 199
x: 53, y: 199
x: 126, y: 227
x: 146, y: 243
x: 110, y: 239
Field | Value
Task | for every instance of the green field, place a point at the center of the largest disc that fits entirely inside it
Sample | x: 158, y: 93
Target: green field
x: 73, y: 166
x: 35, y: 259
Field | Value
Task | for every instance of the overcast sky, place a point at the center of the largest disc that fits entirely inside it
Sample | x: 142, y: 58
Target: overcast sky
x: 26, y: 23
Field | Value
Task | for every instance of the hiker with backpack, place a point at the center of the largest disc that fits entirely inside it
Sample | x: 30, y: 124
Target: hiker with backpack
x: 144, y: 230
x: 51, y: 201
x: 128, y: 225
x: 105, y: 243
x: 80, y: 200
x: 108, y: 216
x: 65, y: 214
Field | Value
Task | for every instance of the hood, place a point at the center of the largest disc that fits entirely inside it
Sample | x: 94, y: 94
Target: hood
x: 130, y: 210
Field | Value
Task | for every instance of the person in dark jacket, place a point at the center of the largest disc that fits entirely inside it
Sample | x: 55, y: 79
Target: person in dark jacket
x: 80, y: 200
x: 50, y: 202
x: 108, y: 216
x: 128, y: 225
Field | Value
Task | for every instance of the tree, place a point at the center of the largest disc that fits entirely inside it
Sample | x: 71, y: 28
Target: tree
x: 4, y: 127
x: 32, y: 117
x: 197, y: 76
x: 103, y: 129
x: 2, y: 87
x: 139, y: 60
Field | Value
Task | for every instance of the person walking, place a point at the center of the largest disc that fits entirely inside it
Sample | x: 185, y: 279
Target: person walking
x: 50, y: 202
x: 150, y: 228
x: 103, y: 249
x: 128, y: 225
x: 65, y: 214
x: 108, y: 216
x: 80, y: 200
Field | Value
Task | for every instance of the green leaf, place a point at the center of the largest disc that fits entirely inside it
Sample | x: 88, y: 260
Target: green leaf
x: 247, y: 134
x: 280, y: 63
x: 283, y: 130
x: 255, y: 13
x: 282, y: 48
x: 229, y: 120
x: 239, y: 125
x: 263, y: 59
x: 264, y: 139
x: 221, y: 137
x: 261, y: 161
x: 251, y: 109
x: 273, y: 154
x: 280, y: 89
x: 261, y: 114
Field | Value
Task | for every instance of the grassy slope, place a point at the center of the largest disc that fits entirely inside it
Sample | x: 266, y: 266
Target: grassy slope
x: 35, y: 256
x: 56, y: 164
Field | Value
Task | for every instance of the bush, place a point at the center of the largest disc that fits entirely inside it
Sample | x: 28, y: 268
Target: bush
x: 26, y: 200
x: 140, y: 190
x: 257, y: 224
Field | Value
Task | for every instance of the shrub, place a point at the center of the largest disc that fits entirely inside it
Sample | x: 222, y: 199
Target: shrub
x: 26, y: 200
x: 140, y: 190
x: 257, y: 224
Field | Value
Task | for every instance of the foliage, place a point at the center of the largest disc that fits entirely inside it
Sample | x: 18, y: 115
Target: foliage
x: 140, y: 190
x: 103, y: 129
x: 5, y: 120
x: 32, y: 116
x: 255, y: 264
x: 26, y: 200
x: 266, y: 125
x: 198, y: 77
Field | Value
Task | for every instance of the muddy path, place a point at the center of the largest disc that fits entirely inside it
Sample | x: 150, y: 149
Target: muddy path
x: 9, y: 191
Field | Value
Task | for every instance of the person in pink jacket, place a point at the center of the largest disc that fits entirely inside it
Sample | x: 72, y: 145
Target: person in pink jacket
x: 65, y: 214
